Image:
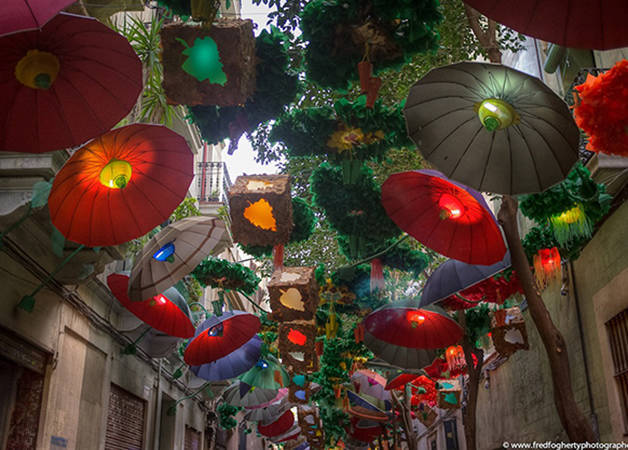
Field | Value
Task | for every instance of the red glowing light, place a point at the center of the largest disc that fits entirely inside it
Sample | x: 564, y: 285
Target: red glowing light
x: 415, y: 318
x: 296, y: 337
x: 450, y: 206
x: 161, y: 299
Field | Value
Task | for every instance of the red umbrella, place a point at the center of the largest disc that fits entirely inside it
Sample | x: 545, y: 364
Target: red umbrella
x: 444, y: 215
x: 65, y: 84
x: 596, y: 24
x: 279, y: 426
x: 121, y: 185
x: 167, y: 312
x: 401, y: 380
x: 21, y: 15
x: 220, y: 335
x: 405, y: 325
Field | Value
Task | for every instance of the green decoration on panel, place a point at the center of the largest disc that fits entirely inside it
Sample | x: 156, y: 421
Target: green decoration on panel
x: 203, y: 61
x: 451, y: 398
x: 299, y: 380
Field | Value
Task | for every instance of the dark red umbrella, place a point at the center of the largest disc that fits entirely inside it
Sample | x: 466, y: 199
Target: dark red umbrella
x: 167, y: 312
x: 121, y: 185
x: 279, y: 426
x: 595, y: 24
x: 405, y: 325
x: 220, y: 335
x: 401, y: 380
x: 65, y: 84
x: 444, y: 215
x: 22, y: 15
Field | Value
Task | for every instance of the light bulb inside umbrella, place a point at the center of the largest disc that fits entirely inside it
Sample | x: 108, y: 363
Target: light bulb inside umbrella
x: 496, y: 114
x: 165, y: 253
x: 415, y: 318
x: 37, y: 70
x: 451, y: 207
x: 216, y: 330
x: 116, y: 174
x: 262, y: 363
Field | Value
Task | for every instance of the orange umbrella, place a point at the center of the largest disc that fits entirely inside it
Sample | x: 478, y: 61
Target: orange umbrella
x: 121, y: 185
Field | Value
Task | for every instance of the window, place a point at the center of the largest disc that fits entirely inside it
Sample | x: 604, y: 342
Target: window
x: 432, y: 442
x: 617, y: 329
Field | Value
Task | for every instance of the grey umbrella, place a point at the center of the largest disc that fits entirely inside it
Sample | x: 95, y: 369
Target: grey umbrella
x: 241, y: 394
x: 403, y: 357
x: 534, y: 140
x: 454, y: 276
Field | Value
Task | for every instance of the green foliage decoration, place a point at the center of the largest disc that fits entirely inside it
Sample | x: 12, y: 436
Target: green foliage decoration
x: 304, y: 222
x: 541, y: 236
x: 222, y: 274
x: 349, y: 130
x: 478, y: 322
x: 275, y: 87
x: 336, y: 31
x: 226, y: 412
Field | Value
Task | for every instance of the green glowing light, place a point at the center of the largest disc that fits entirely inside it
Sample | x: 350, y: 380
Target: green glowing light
x: 203, y: 61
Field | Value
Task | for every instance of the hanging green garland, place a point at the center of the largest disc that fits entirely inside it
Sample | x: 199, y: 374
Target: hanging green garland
x: 348, y: 131
x: 338, y: 32
x: 541, y: 237
x: 275, y: 87
x: 222, y: 274
x: 226, y: 412
x: 571, y: 208
x: 304, y: 222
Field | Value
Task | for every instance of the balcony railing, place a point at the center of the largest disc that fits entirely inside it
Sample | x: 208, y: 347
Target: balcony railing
x: 213, y: 182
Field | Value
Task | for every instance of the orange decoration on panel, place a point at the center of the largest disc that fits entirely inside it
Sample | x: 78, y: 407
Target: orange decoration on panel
x: 261, y: 215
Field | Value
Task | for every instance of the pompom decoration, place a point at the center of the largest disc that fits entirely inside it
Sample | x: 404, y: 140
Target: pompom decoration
x: 546, y: 266
x: 571, y: 224
x: 602, y: 110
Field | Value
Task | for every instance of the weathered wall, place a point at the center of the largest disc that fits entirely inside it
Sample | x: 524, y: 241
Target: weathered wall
x: 518, y: 406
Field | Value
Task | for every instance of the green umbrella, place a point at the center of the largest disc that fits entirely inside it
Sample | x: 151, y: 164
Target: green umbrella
x: 492, y: 128
x: 239, y: 394
x: 267, y: 373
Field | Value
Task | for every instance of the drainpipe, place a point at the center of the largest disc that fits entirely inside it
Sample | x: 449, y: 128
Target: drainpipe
x: 157, y: 415
x: 594, y: 420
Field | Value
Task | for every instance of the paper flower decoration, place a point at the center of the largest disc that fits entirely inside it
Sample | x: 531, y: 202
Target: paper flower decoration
x: 602, y: 110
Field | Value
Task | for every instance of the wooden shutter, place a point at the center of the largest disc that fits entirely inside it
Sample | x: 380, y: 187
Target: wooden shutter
x: 125, y: 421
x: 617, y: 329
x: 192, y: 439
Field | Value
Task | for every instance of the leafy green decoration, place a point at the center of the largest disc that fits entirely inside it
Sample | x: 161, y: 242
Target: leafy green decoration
x: 41, y: 191
x: 222, y: 274
x: 203, y: 61
x: 477, y: 322
x: 57, y: 241
x: 226, y: 412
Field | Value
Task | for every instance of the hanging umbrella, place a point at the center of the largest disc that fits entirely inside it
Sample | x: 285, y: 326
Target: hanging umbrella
x: 173, y: 253
x: 154, y: 343
x: 364, y: 430
x: 366, y: 407
x: 400, y: 380
x: 443, y: 215
x: 24, y: 15
x: 403, y: 357
x: 453, y: 276
x: 592, y: 24
x: 404, y: 324
x: 121, y: 185
x: 235, y: 363
x: 267, y: 412
x: 281, y: 394
x: 292, y: 433
x: 65, y: 84
x: 267, y: 373
x: 534, y: 140
x: 370, y: 383
x: 244, y: 395
x: 278, y: 426
x: 167, y: 312
x: 219, y: 336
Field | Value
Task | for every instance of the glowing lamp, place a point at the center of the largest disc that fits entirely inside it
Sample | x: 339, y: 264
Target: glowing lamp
x: 546, y: 265
x: 296, y: 337
x: 455, y: 358
x: 116, y: 174
x: 415, y: 318
x: 571, y: 224
x: 262, y: 364
x: 37, y: 70
x: 450, y: 207
x: 496, y: 114
x: 216, y: 330
x: 161, y: 300
x: 165, y: 253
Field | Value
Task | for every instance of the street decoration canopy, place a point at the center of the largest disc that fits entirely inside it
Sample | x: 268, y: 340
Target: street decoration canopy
x: 231, y: 365
x: 24, y: 15
x: 444, y: 215
x: 64, y: 84
x: 492, y: 128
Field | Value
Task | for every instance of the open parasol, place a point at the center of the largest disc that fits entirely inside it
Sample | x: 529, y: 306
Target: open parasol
x: 173, y: 253
x: 167, y: 312
x: 267, y: 412
x: 24, y: 15
x: 404, y: 324
x: 593, y: 24
x: 453, y: 276
x: 121, y: 185
x: 446, y: 216
x: 400, y: 380
x: 396, y: 355
x: 244, y: 395
x: 218, y: 336
x: 370, y: 383
x: 492, y: 128
x: 235, y: 363
x: 267, y: 373
x: 64, y: 84
x: 278, y: 426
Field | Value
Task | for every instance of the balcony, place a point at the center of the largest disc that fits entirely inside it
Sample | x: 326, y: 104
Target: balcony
x: 213, y: 184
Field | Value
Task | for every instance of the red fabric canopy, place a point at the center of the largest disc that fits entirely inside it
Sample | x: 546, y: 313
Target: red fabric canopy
x: 444, y: 215
x: 279, y: 426
x: 495, y: 289
x: 595, y: 24
x: 21, y: 15
x: 99, y: 80
x: 160, y: 312
x: 413, y: 327
x: 87, y: 212
x: 400, y: 381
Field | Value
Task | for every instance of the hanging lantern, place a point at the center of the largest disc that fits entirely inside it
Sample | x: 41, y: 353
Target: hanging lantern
x: 570, y: 225
x: 297, y: 346
x: 449, y: 392
x: 299, y: 390
x: 211, y: 66
x: 455, y: 359
x: 546, y: 266
x: 261, y: 210
x: 293, y: 294
x: 377, y: 275
x: 508, y: 331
